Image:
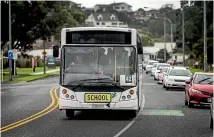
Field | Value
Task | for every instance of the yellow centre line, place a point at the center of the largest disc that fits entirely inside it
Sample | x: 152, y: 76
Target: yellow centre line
x: 37, y: 115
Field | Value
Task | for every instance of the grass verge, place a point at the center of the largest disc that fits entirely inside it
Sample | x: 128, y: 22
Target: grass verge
x: 26, y: 77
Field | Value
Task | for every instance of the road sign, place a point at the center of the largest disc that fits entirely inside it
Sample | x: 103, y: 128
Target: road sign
x: 44, y: 53
x: 15, y: 56
x: 10, y: 54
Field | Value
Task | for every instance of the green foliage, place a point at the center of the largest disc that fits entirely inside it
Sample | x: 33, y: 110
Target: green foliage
x: 37, y: 19
x: 194, y: 29
x: 161, y: 54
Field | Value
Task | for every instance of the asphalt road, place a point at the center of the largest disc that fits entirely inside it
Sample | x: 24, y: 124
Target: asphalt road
x: 163, y: 115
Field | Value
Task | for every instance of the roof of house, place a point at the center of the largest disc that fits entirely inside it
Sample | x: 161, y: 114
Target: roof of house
x: 119, y: 3
x: 106, y: 16
x: 103, y: 5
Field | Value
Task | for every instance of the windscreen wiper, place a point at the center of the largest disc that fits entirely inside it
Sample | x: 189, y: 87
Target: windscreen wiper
x: 112, y: 82
x: 83, y: 81
x: 203, y: 80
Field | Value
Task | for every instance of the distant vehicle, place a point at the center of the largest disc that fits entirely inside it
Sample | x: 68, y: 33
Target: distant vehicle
x: 101, y: 69
x: 175, y: 77
x: 145, y: 62
x: 211, y: 111
x: 149, y: 65
x: 161, y: 74
x: 154, y: 67
x: 198, y: 89
x: 158, y: 68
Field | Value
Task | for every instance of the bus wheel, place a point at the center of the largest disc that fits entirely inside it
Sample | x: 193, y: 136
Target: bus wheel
x: 69, y: 113
x: 133, y: 113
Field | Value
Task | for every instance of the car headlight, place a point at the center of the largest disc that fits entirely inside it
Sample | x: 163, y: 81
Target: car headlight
x: 196, y: 91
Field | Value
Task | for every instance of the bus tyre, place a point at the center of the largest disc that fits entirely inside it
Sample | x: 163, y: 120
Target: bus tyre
x: 69, y: 113
x: 133, y: 113
x: 211, y: 122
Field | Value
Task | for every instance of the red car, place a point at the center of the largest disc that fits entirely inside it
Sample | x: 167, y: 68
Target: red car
x: 198, y: 89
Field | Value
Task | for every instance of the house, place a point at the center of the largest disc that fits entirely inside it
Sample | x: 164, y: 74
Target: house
x: 150, y: 52
x: 39, y: 43
x: 122, y: 7
x: 104, y: 20
x: 114, y: 6
x: 103, y: 7
x: 169, y: 46
x: 179, y: 57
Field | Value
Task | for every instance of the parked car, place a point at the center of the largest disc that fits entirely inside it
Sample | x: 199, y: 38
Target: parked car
x: 161, y: 74
x: 198, y: 89
x: 158, y: 68
x: 176, y: 77
x: 149, y: 65
x: 211, y: 111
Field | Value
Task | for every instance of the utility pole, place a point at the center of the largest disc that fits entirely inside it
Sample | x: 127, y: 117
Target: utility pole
x: 10, y: 42
x: 44, y: 54
x: 183, y: 37
x: 164, y: 39
x: 205, y: 38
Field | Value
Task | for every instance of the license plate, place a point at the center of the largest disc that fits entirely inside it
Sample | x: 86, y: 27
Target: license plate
x: 97, y: 106
x: 97, y: 97
x: 209, y: 100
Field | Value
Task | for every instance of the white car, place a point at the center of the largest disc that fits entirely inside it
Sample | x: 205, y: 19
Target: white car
x: 158, y: 68
x: 149, y: 65
x: 154, y: 68
x: 175, y: 77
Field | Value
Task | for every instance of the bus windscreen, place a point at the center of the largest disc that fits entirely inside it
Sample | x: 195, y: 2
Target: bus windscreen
x: 98, y: 37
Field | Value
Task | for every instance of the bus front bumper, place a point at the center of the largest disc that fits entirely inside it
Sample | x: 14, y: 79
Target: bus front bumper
x: 75, y: 105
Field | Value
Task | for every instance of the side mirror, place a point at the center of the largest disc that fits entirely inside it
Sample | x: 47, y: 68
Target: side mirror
x: 187, y: 81
x: 55, y: 51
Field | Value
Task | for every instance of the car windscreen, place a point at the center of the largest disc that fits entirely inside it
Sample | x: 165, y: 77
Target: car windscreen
x: 203, y: 79
x: 162, y: 66
x: 179, y: 72
x: 164, y: 69
x: 151, y: 63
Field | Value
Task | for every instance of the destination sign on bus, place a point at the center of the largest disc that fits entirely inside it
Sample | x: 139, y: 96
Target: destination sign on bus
x: 98, y: 37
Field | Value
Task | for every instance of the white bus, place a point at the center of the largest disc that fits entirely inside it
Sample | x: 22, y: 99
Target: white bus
x: 101, y: 69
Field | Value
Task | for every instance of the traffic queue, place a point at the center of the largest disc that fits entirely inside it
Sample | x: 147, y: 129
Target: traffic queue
x: 197, y: 87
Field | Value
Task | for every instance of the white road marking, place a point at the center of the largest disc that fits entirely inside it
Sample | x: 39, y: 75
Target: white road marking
x: 132, y: 122
x: 150, y: 84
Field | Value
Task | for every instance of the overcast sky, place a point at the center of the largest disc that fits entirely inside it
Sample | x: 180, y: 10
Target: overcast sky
x: 134, y: 3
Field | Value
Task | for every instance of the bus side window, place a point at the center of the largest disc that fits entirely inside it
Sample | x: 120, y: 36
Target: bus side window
x: 139, y: 45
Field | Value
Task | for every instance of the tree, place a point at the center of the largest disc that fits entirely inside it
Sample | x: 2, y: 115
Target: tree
x: 37, y: 19
x: 161, y: 54
x: 194, y: 29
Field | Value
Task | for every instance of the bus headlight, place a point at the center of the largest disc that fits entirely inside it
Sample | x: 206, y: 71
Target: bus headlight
x: 123, y: 97
x: 131, y: 92
x: 72, y: 96
x: 64, y: 91
x: 128, y: 96
x: 67, y: 96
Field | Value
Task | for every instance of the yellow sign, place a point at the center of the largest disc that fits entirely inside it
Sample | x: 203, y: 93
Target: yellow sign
x: 97, y: 97
x: 44, y: 53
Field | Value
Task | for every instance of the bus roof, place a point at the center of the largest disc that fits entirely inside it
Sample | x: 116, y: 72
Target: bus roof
x: 99, y: 28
